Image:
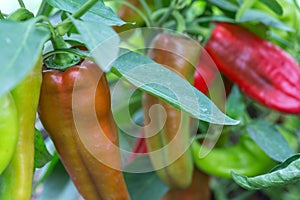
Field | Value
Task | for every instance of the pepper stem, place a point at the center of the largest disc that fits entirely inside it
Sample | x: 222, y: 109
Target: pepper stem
x: 61, y: 61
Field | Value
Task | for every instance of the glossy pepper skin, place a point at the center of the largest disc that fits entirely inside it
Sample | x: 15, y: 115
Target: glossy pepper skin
x: 198, y: 190
x: 180, y: 55
x: 261, y: 69
x: 244, y: 158
x: 74, y: 92
x: 9, y: 129
x: 16, y: 183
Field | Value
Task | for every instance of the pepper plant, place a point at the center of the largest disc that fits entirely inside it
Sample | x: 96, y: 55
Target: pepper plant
x: 150, y: 99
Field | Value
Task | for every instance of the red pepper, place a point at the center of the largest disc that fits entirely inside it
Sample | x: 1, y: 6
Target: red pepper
x: 204, y: 74
x: 261, y: 69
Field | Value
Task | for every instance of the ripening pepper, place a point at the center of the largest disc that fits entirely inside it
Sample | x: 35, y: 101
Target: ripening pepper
x: 16, y: 180
x: 9, y: 129
x: 75, y: 109
x: 198, y: 190
x: 261, y: 69
x: 244, y: 158
x: 173, y: 160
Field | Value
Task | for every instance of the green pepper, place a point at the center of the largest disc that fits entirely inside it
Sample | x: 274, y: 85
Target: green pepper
x: 9, y: 129
x: 16, y: 180
x: 244, y: 158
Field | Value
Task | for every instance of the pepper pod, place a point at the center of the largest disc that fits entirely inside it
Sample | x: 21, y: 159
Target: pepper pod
x: 170, y: 141
x: 16, y: 180
x: 75, y: 109
x: 262, y: 70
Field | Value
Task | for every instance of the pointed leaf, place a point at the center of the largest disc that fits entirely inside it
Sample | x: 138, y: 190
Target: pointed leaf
x: 270, y: 140
x: 159, y: 81
x: 98, y: 13
x: 286, y: 173
x: 21, y: 44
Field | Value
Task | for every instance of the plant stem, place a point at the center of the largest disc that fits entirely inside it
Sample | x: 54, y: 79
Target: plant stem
x: 166, y: 15
x: 65, y: 25
x: 147, y: 10
x: 44, y: 9
x: 21, y: 3
x: 137, y: 10
x: 180, y: 21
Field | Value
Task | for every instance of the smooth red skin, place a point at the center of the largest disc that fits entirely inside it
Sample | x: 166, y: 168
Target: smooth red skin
x: 204, y: 75
x: 93, y: 179
x: 261, y: 69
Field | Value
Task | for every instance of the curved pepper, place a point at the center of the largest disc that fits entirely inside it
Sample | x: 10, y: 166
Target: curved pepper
x: 180, y: 55
x: 261, y: 69
x: 244, y: 158
x: 198, y: 190
x: 16, y: 183
x: 9, y: 129
x: 70, y: 93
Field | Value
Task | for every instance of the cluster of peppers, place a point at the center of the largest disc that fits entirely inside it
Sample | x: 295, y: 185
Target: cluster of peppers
x: 262, y: 70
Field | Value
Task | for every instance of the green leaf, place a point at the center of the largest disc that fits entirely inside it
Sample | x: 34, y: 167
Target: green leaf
x: 98, y: 13
x: 270, y: 140
x: 57, y: 185
x: 286, y: 173
x: 246, y: 4
x: 145, y: 186
x: 163, y: 83
x: 21, y: 45
x: 273, y: 5
x: 101, y: 40
x: 224, y: 4
x: 257, y: 15
x: 235, y: 105
x: 41, y: 154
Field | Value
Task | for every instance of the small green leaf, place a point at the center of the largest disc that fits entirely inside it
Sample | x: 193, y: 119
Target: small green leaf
x: 257, y: 15
x: 235, y: 105
x: 144, y: 186
x: 270, y: 140
x: 163, y: 83
x: 286, y: 173
x: 57, y: 185
x: 246, y: 4
x: 21, y: 44
x: 98, y: 13
x: 41, y: 154
x: 101, y: 40
x: 224, y: 4
x: 273, y: 5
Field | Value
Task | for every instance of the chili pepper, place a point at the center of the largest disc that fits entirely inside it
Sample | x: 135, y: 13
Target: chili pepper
x: 17, y: 178
x: 180, y: 55
x: 9, y: 129
x: 199, y: 189
x: 261, y: 69
x: 204, y: 74
x: 58, y: 108
x: 244, y: 158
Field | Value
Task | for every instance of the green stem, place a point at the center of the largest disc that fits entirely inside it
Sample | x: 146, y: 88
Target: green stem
x: 65, y: 26
x: 50, y: 26
x: 21, y: 3
x: 137, y: 10
x: 166, y: 15
x: 147, y: 10
x: 180, y: 21
x: 44, y: 9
